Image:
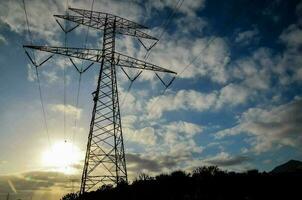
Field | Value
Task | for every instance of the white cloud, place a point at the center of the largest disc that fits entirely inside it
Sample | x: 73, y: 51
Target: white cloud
x: 177, y: 139
x: 188, y: 7
x: 68, y: 109
x: 290, y: 60
x: 191, y: 6
x: 191, y: 100
x: 270, y: 128
x: 211, y: 56
x: 255, y: 71
x: 187, y: 128
x: 232, y: 95
x: 31, y: 74
x: 182, y: 100
x: 130, y: 102
x: 174, y: 54
x: 215, y: 59
x: 292, y: 36
x: 174, y: 140
x: 144, y: 136
x: 40, y: 18
x: 129, y: 120
x: 245, y: 37
x: 42, y: 23
x: 2, y: 40
x: 191, y: 24
x: 50, y: 76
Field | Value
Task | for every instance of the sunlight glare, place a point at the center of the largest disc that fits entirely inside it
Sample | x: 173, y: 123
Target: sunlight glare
x: 62, y: 157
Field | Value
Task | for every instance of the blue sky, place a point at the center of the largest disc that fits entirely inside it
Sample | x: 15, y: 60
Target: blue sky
x: 238, y: 105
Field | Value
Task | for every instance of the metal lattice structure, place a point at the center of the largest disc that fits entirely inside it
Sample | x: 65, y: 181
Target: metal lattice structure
x: 105, y: 161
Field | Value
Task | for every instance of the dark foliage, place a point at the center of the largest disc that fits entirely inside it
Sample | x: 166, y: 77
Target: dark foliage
x: 205, y: 183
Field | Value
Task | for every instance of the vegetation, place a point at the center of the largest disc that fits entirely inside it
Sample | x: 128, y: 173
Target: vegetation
x: 204, y: 183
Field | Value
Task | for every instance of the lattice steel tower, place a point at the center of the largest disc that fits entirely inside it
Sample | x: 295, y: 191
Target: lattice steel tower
x: 105, y: 156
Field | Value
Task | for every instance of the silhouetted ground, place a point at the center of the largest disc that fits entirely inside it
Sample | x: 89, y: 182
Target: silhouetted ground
x: 204, y: 183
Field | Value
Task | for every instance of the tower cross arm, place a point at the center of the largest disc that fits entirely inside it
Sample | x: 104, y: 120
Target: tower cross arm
x: 130, y: 62
x: 95, y: 55
x: 97, y: 20
x: 98, y: 15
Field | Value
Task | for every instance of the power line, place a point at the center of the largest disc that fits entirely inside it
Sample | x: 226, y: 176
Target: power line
x: 27, y: 23
x: 42, y: 105
x: 77, y: 104
x: 64, y: 77
x: 38, y: 77
x: 87, y: 32
x: 177, y: 6
x: 80, y: 78
x: 194, y: 59
x: 165, y: 23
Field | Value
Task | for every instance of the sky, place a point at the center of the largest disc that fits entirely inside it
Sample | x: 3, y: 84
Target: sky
x: 236, y: 101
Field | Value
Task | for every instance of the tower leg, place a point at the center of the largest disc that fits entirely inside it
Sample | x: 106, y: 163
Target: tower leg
x: 105, y: 157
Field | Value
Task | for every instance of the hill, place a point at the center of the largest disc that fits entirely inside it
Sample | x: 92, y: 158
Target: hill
x: 292, y: 166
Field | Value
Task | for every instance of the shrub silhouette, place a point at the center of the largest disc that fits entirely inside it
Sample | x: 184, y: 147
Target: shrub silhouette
x: 205, y: 183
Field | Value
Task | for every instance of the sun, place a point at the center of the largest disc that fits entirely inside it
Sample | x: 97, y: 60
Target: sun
x: 62, y: 157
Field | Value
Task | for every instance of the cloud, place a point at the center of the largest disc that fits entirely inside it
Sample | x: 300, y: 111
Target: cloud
x: 39, y: 15
x: 154, y: 165
x: 269, y: 129
x: 191, y: 6
x: 177, y: 54
x: 182, y: 100
x: 159, y: 141
x: 191, y: 24
x: 290, y: 62
x: 187, y: 128
x: 178, y: 145
x: 292, y: 36
x: 245, y: 37
x: 2, y: 162
x: 144, y: 136
x: 188, y: 7
x: 178, y: 140
x: 191, y: 100
x: 232, y: 95
x: 31, y: 74
x: 129, y: 120
x: 68, y: 109
x: 138, y: 163
x: 224, y: 159
x: 42, y: 23
x: 50, y: 76
x: 255, y: 70
x: 130, y: 101
x: 2, y: 40
x: 215, y: 58
x: 30, y: 183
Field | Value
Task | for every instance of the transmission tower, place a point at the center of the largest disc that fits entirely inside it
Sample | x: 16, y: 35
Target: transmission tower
x: 105, y: 155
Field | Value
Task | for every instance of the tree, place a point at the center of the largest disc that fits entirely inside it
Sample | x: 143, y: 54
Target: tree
x: 71, y: 196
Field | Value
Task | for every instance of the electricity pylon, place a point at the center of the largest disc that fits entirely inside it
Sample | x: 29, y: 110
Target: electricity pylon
x: 105, y: 156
